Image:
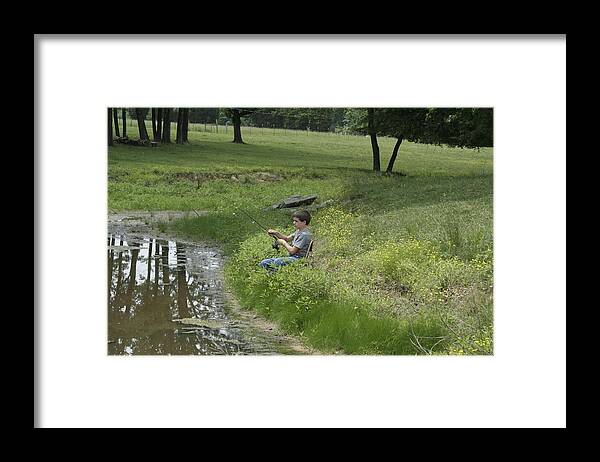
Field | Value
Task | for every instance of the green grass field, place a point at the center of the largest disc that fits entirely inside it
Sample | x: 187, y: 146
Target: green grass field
x: 402, y: 263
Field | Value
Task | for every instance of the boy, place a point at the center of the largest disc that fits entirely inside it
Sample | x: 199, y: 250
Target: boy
x: 300, y: 240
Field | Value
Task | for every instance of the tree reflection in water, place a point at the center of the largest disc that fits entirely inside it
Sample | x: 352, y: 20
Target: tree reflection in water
x: 140, y: 319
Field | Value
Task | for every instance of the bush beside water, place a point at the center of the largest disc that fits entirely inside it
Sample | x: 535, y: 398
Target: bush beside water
x: 313, y: 299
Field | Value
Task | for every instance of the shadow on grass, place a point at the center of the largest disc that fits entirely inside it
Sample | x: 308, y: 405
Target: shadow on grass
x: 368, y: 193
x: 216, y: 155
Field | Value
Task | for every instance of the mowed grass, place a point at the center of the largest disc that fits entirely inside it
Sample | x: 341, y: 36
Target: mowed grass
x: 402, y: 263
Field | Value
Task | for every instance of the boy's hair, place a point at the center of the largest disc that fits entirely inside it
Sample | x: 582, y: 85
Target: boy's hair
x: 302, y: 215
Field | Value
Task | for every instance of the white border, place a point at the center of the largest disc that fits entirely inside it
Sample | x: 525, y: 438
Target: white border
x: 523, y: 385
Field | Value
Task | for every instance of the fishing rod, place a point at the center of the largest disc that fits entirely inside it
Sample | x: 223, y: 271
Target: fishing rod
x: 275, y: 244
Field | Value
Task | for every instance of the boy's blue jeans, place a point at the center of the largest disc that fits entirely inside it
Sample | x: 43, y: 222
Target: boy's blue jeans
x: 271, y: 264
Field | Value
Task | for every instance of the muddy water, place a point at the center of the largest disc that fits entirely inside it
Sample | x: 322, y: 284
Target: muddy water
x: 166, y: 298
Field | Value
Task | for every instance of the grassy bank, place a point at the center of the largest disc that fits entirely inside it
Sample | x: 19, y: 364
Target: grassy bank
x: 403, y: 264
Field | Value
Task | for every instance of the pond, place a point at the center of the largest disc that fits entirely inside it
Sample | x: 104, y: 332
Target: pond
x: 166, y: 297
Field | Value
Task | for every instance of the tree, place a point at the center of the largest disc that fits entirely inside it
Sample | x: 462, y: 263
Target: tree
x: 236, y: 115
x: 124, y: 122
x: 140, y: 114
x: 373, y: 135
x: 182, y: 125
x: 315, y: 119
x: 403, y: 123
x: 159, y: 122
x: 110, y: 127
x: 456, y: 127
x: 178, y: 137
x: 203, y: 115
x: 462, y: 127
x: 154, y: 124
x: 166, y: 134
x: 237, y: 126
x: 365, y: 122
x: 186, y: 119
x: 390, y: 165
x: 116, y: 119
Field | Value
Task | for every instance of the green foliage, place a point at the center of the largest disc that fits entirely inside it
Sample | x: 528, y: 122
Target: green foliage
x: 334, y: 230
x: 355, y: 121
x: 457, y: 127
x: 302, y: 299
x: 479, y: 343
x: 419, y: 268
x: 203, y: 115
x: 307, y: 300
x: 462, y: 127
x: 315, y: 119
x: 484, y: 264
x: 406, y: 122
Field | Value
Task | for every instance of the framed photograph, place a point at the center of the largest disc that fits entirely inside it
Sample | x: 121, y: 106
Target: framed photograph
x: 295, y: 228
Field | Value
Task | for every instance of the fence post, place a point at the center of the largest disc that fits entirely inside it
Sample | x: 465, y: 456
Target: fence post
x: 217, y: 125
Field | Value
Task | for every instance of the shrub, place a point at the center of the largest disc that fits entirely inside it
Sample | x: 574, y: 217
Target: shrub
x: 483, y: 262
x: 299, y: 285
x: 478, y: 343
x: 418, y: 266
x: 334, y: 229
x: 314, y: 302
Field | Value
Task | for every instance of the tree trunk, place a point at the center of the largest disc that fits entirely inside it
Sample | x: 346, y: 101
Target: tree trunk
x: 110, y: 127
x: 237, y: 126
x: 394, y: 154
x: 153, y: 124
x: 165, y: 265
x: 166, y: 134
x: 156, y: 260
x: 116, y: 118
x: 186, y: 120
x: 149, y: 263
x: 111, y: 261
x: 159, y: 121
x: 119, y: 274
x: 373, y: 135
x: 132, y: 274
x: 182, y: 289
x: 178, y: 138
x: 124, y: 123
x: 141, y: 120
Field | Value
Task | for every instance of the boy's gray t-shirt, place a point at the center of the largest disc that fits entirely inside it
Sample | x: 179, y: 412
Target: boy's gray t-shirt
x: 302, y: 240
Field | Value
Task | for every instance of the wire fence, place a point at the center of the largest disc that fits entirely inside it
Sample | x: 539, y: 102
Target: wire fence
x: 246, y: 129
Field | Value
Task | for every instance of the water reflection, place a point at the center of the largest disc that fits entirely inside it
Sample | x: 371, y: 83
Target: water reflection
x: 152, y: 282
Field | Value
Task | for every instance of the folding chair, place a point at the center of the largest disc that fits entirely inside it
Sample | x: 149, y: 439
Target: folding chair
x: 308, y: 256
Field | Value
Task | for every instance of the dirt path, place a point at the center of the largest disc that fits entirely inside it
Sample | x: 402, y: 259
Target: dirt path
x: 268, y: 327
